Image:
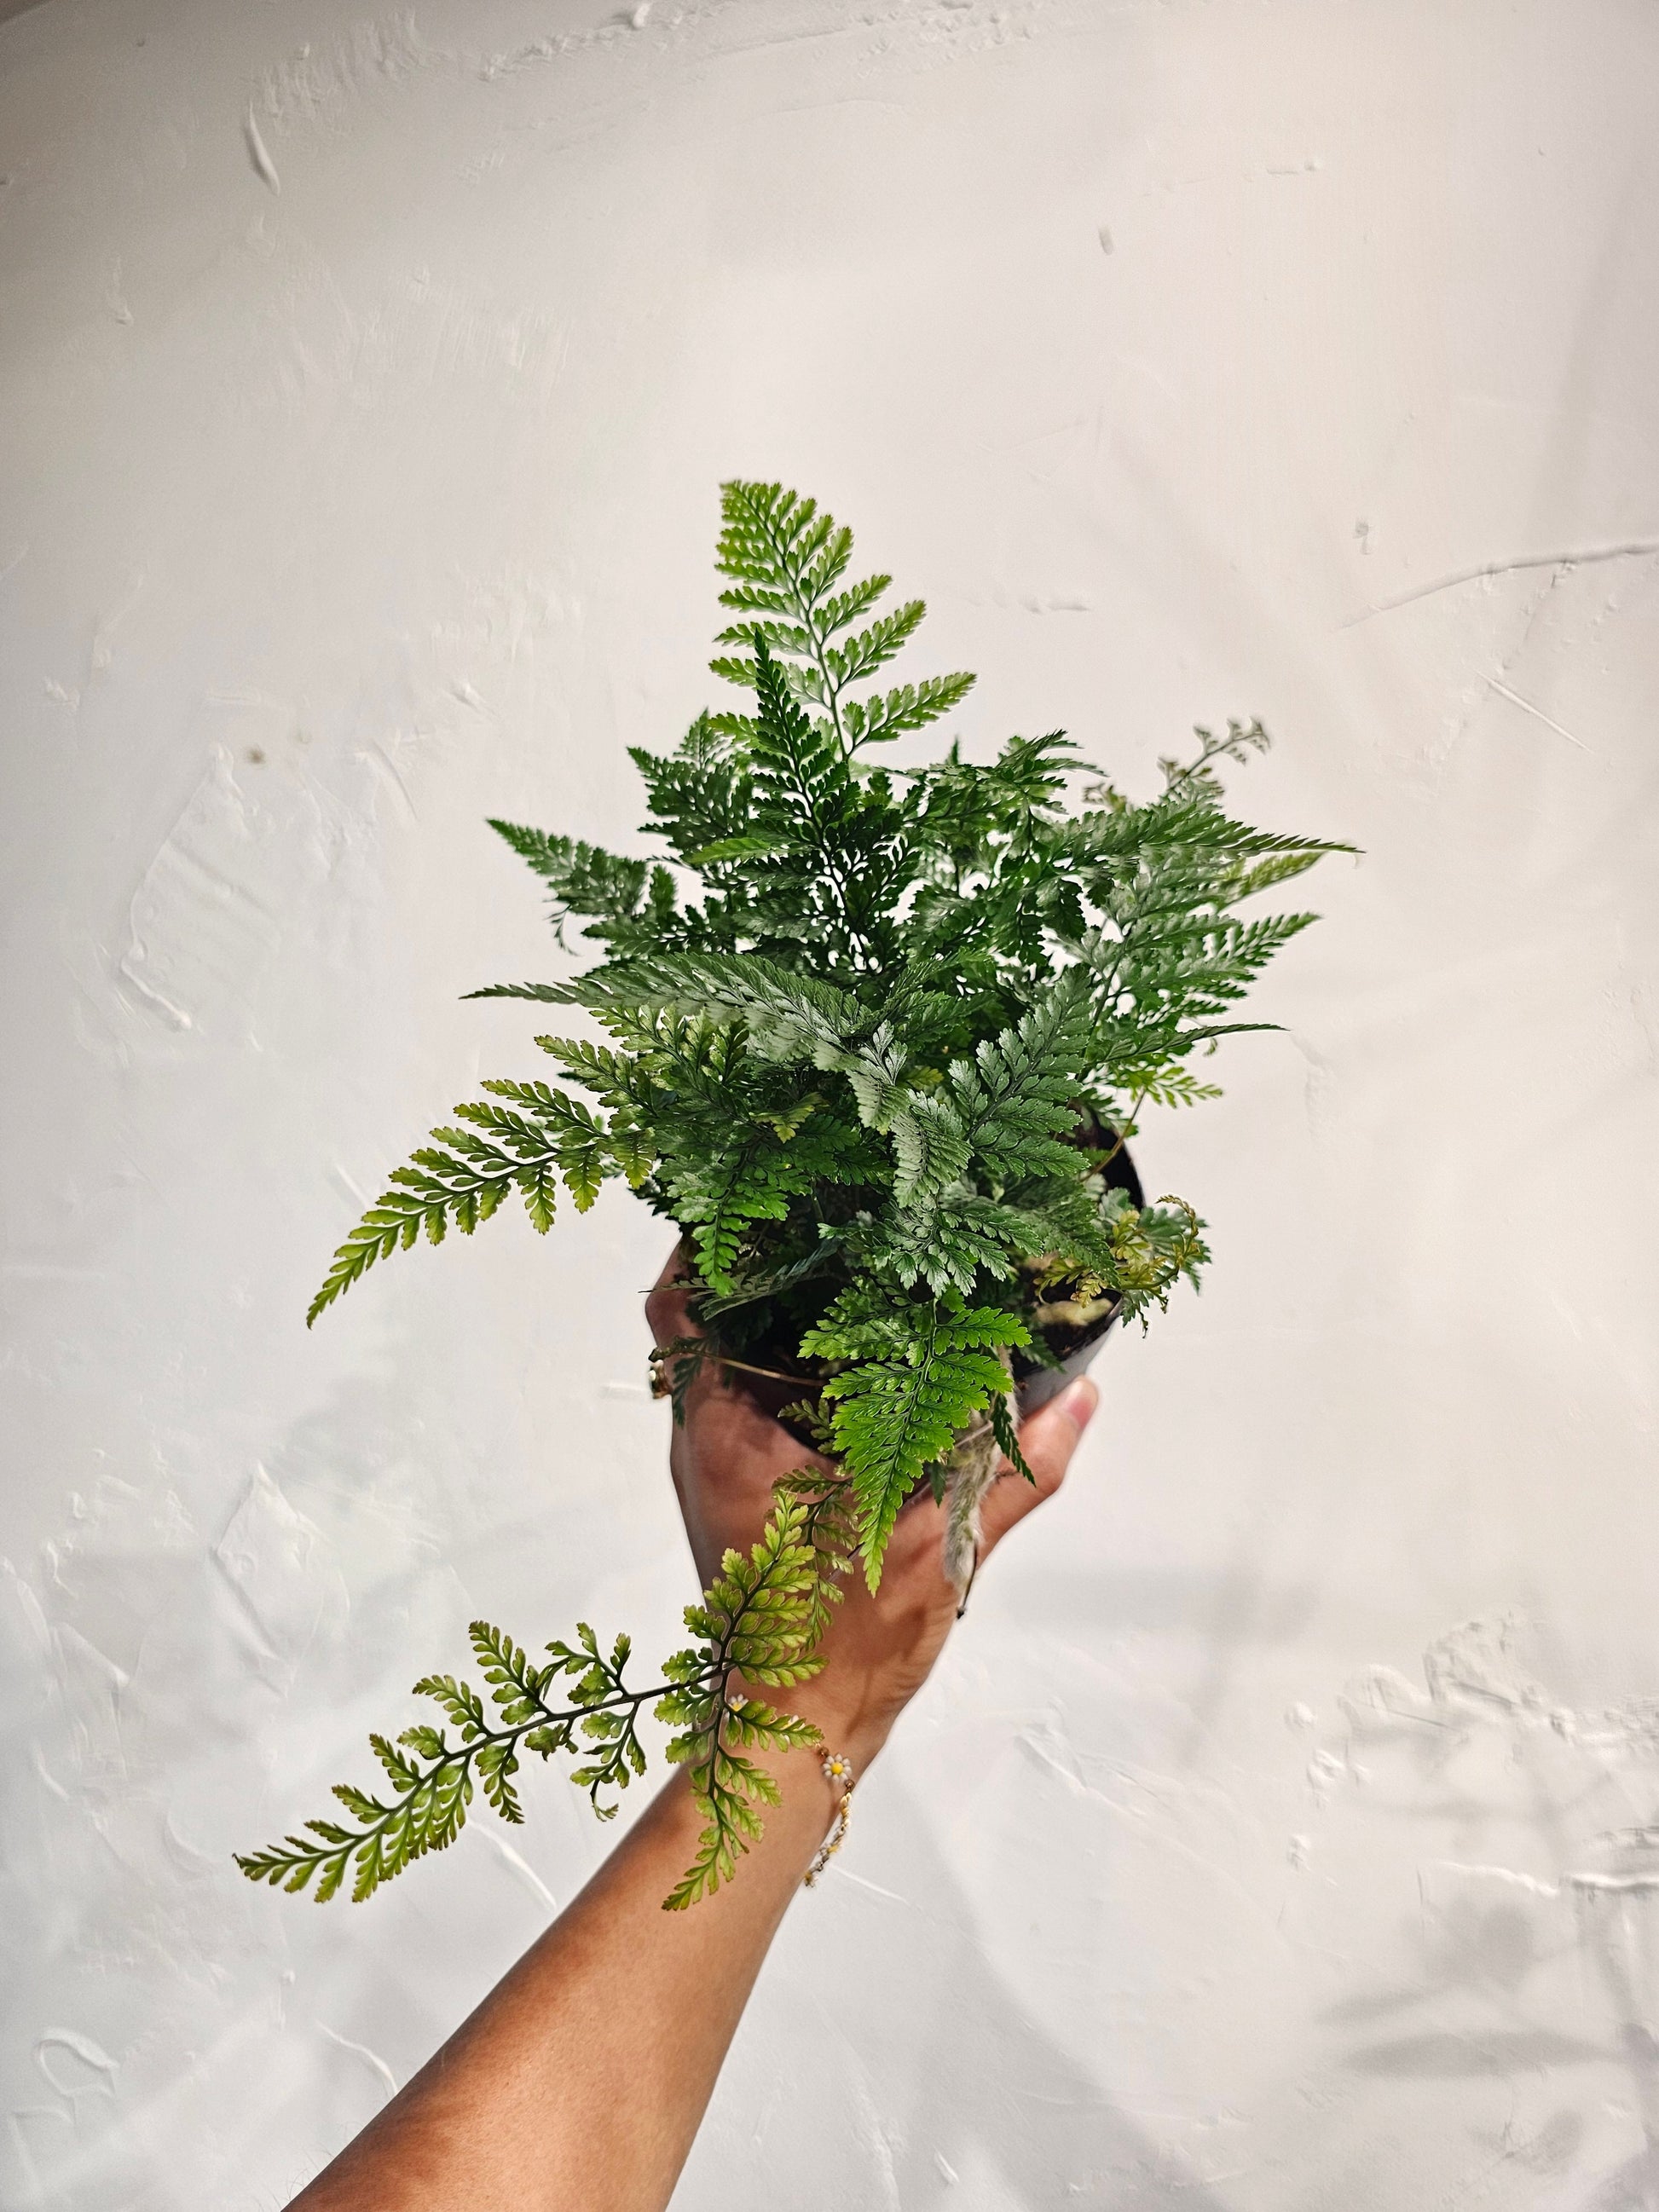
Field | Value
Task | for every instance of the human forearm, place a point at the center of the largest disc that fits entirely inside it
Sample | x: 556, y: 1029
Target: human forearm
x: 580, y: 2080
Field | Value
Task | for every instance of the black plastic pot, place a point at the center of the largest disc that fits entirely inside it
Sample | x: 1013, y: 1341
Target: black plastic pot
x: 1047, y: 1383
x: 1036, y: 1385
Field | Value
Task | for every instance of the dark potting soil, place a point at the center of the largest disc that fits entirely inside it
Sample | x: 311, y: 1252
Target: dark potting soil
x: 792, y: 1379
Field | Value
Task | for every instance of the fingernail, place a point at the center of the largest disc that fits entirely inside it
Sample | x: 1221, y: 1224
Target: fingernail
x: 1077, y: 1401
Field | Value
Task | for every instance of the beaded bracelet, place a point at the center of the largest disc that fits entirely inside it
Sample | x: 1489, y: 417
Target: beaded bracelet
x: 838, y: 1773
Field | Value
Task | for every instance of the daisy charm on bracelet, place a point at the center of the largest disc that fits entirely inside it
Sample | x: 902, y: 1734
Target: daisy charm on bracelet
x: 838, y: 1773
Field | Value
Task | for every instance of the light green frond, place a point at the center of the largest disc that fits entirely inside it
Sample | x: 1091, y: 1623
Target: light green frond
x: 922, y: 1370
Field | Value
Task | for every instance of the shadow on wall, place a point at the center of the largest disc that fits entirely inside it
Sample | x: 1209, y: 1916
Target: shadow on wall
x: 946, y: 2077
x: 1049, y: 2131
x: 1548, y: 1911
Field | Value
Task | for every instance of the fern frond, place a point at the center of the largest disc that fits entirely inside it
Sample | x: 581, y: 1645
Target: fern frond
x: 761, y: 1616
x: 834, y: 613
x: 615, y: 894
x: 860, y: 656
x: 721, y: 1201
x: 617, y: 1079
x: 1017, y: 1096
x: 922, y: 1370
x: 438, y: 1188
x: 946, y: 1242
x: 775, y: 540
x: 1154, y: 1249
x: 785, y: 557
x: 910, y: 707
x: 462, y: 1177
x: 555, y: 994
x: 1006, y: 1109
x: 788, y: 1018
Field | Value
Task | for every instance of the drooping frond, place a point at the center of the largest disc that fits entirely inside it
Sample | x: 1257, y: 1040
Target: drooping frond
x: 462, y: 1177
x: 761, y: 1617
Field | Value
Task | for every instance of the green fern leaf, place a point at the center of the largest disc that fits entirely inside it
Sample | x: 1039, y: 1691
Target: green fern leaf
x: 862, y: 655
x: 945, y: 1241
x: 910, y: 707
x: 463, y: 1177
x: 586, y: 880
x: 924, y: 1369
x: 555, y: 994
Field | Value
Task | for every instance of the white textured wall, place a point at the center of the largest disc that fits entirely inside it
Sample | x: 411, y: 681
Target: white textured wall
x: 1269, y: 1839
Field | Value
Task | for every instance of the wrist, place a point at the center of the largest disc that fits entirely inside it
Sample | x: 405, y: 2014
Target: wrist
x: 856, y: 1725
x: 854, y: 1728
x: 816, y: 1783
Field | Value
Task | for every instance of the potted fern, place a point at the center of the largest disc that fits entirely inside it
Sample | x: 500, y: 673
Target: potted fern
x: 875, y: 1037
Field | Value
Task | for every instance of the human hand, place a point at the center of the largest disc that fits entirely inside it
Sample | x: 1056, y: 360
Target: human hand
x: 879, y: 1650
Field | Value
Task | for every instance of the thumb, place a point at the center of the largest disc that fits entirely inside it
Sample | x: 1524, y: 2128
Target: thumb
x: 1048, y: 1440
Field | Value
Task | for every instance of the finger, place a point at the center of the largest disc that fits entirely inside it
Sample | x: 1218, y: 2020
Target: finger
x: 669, y: 1318
x: 667, y: 1314
x: 732, y: 1429
x: 1048, y: 1440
